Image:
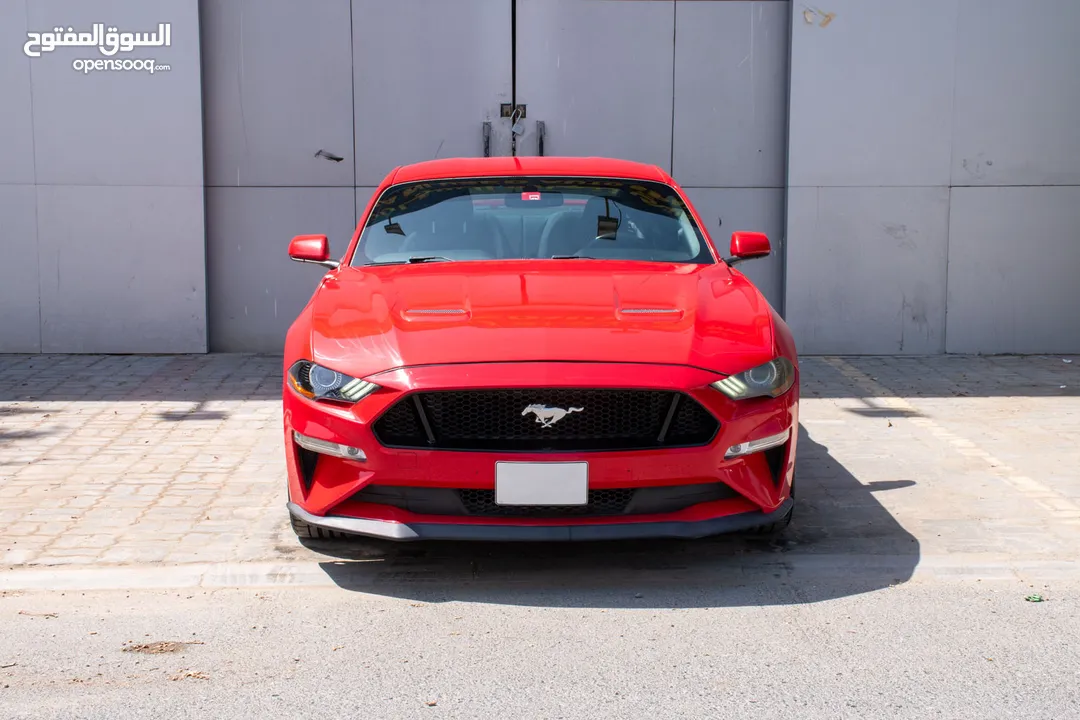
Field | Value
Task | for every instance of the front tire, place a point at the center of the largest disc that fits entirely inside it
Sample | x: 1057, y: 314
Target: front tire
x: 773, y: 529
x: 776, y: 528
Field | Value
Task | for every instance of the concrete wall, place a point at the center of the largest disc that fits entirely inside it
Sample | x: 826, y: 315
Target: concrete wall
x: 269, y: 108
x: 1014, y: 222
x: 101, y: 200
x: 933, y: 177
x: 730, y: 122
x: 920, y: 172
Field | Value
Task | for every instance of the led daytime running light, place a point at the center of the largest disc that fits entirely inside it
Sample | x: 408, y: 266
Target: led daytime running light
x: 325, y: 447
x: 754, y: 446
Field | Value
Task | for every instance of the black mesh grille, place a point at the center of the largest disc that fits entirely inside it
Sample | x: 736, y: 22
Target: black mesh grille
x: 689, y: 423
x: 564, y: 420
x: 401, y: 425
x: 601, y: 502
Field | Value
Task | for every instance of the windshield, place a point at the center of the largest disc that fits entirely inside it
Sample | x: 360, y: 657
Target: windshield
x: 538, y: 218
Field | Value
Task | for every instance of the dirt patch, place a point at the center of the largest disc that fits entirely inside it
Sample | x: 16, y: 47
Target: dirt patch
x: 194, y: 674
x: 162, y: 646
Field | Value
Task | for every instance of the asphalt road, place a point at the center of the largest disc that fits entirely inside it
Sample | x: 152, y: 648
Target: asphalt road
x: 744, y: 646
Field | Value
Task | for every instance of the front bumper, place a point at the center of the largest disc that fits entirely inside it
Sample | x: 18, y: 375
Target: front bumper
x: 331, y: 494
x: 544, y: 533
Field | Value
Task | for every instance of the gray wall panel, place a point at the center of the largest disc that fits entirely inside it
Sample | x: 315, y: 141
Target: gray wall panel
x: 278, y: 79
x: 1017, y: 93
x: 599, y: 75
x: 1014, y: 256
x: 871, y: 93
x: 20, y: 309
x: 760, y: 209
x: 16, y: 118
x: 731, y: 93
x: 427, y: 75
x: 363, y: 196
x: 122, y: 269
x: 256, y: 291
x: 118, y: 127
x: 866, y: 269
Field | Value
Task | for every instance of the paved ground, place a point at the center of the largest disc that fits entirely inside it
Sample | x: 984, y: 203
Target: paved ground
x: 935, y: 494
x: 120, y: 460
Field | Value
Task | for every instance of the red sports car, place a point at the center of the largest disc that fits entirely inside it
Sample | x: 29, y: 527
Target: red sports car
x: 537, y: 349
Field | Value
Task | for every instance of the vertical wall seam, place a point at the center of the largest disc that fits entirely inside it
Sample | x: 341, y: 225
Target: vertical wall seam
x: 37, y: 200
x: 352, y: 78
x: 785, y: 237
x: 513, y: 71
x: 513, y: 53
x: 948, y: 185
x: 674, y: 59
x: 948, y: 240
x: 205, y: 192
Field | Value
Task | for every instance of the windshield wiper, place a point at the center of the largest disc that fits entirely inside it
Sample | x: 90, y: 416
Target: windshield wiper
x: 415, y: 259
x: 572, y: 257
x: 429, y: 258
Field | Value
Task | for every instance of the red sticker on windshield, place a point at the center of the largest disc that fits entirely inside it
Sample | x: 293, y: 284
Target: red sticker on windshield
x: 530, y: 196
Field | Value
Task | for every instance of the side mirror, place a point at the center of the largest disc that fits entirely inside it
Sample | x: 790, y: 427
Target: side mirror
x: 313, y: 249
x: 746, y: 245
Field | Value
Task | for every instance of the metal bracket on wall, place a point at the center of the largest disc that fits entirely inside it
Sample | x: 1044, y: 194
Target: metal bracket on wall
x: 507, y: 110
x: 540, y: 131
x: 486, y: 130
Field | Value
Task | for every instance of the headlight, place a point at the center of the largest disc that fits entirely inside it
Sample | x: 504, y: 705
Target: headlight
x: 321, y: 383
x: 772, y: 379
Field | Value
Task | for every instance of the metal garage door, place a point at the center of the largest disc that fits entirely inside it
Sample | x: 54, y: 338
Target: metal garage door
x: 299, y: 133
x: 698, y: 87
x: 307, y: 106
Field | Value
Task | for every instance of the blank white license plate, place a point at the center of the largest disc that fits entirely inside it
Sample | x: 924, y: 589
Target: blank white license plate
x: 541, y: 483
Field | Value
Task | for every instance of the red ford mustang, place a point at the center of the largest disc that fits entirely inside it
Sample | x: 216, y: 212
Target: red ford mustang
x: 537, y: 349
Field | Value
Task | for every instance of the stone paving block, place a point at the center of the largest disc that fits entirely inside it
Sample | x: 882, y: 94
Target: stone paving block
x: 15, y: 557
x: 107, y: 515
x: 74, y: 559
x: 18, y: 529
x: 126, y: 502
x: 82, y: 541
x: 119, y: 555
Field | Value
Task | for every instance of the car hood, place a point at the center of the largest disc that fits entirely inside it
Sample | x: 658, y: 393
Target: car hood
x: 367, y: 320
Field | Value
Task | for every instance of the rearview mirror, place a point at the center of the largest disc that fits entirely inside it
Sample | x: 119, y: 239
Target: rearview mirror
x: 313, y: 249
x: 606, y: 227
x: 746, y: 245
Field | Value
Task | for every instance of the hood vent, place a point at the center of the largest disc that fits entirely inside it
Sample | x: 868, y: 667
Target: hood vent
x: 649, y: 314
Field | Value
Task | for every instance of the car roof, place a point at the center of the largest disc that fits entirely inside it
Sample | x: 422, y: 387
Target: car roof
x: 493, y: 166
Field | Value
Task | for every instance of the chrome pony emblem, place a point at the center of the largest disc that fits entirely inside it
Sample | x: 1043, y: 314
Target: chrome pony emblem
x: 547, y: 415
